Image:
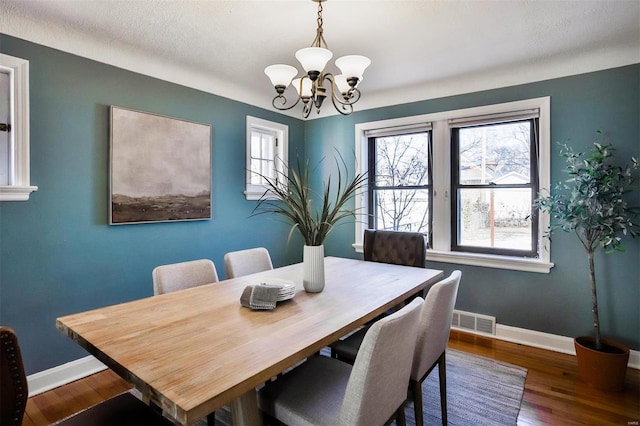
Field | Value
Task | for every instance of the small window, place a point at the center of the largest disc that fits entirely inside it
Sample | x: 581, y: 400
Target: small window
x: 267, y: 152
x: 14, y: 129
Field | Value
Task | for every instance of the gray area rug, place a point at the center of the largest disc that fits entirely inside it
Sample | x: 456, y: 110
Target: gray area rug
x: 480, y: 391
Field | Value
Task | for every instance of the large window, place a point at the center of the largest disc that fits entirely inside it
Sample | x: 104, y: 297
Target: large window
x: 494, y: 182
x: 465, y: 178
x: 400, y: 180
x: 267, y: 151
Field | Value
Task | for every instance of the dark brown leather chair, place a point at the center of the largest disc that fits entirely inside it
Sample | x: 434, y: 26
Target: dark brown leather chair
x: 400, y: 248
x: 13, y: 380
x: 124, y: 409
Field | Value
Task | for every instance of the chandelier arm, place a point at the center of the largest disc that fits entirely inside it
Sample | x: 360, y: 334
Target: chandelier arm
x: 341, y: 107
x: 306, y: 109
x: 283, y: 102
x: 353, y: 95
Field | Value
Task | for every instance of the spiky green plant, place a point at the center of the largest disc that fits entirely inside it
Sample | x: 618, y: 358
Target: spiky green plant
x: 294, y: 201
x: 591, y: 203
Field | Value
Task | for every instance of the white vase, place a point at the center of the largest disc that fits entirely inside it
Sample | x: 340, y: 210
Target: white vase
x: 313, y: 275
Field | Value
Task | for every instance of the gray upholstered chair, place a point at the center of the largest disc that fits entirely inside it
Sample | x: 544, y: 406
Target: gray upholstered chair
x: 433, y: 335
x: 179, y: 276
x: 245, y: 262
x: 400, y: 248
x: 326, y: 391
x: 124, y: 409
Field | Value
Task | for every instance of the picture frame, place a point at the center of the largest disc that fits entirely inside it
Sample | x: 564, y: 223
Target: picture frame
x: 160, y: 168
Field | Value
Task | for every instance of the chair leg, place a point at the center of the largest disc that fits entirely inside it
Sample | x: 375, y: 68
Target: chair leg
x: 211, y: 419
x: 442, y: 369
x: 400, y: 417
x: 417, y: 401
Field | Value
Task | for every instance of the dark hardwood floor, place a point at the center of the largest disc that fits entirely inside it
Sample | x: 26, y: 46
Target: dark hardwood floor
x: 553, y: 393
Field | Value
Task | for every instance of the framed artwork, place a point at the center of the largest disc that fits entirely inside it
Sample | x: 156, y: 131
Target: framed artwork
x: 160, y: 168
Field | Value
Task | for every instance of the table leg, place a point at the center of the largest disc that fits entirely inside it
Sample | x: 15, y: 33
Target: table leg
x: 244, y: 410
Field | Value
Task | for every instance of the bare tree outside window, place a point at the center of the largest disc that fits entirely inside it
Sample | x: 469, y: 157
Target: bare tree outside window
x: 401, y: 191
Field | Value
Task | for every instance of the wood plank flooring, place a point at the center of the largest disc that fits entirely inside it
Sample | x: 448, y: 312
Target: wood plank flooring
x: 553, y: 393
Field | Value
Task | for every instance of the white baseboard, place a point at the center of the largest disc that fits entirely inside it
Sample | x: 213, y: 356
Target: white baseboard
x: 537, y: 339
x: 83, y: 367
x: 62, y: 374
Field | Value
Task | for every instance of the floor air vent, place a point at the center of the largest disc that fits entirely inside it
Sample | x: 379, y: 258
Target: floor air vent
x: 474, y: 322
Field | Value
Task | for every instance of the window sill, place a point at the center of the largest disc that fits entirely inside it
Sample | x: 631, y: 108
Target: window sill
x: 485, y: 260
x: 257, y: 195
x: 16, y: 193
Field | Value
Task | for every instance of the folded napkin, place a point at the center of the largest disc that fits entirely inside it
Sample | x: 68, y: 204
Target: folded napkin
x: 263, y: 296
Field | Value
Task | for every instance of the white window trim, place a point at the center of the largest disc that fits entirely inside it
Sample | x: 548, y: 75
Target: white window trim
x: 441, y: 251
x: 255, y: 192
x: 20, y: 187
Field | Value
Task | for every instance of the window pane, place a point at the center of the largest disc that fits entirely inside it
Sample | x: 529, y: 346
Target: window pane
x: 5, y: 145
x: 495, y: 153
x: 268, y: 169
x: 268, y: 146
x: 256, y: 179
x: 497, y: 218
x: 402, y: 210
x: 255, y: 144
x: 402, y: 160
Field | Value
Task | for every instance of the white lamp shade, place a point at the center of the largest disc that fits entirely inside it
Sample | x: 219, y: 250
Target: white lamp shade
x: 341, y: 82
x: 280, y: 74
x: 353, y: 65
x: 313, y: 58
x: 306, y: 86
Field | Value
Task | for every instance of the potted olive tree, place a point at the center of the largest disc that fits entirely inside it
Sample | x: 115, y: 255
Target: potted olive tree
x: 592, y: 204
x: 290, y: 196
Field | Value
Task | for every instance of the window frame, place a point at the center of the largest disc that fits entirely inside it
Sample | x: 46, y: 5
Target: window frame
x: 281, y: 162
x: 372, y: 187
x: 440, y: 250
x: 19, y: 188
x: 533, y: 185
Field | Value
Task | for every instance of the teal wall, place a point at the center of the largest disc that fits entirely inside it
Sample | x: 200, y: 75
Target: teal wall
x: 59, y: 256
x: 558, y: 302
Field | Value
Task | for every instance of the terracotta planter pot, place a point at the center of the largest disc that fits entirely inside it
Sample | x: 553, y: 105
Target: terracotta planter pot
x: 604, y: 370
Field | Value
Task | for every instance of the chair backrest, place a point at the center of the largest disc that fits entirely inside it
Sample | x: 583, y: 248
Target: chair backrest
x: 13, y: 381
x: 400, y: 248
x: 378, y: 382
x: 245, y: 262
x: 178, y: 276
x: 435, y: 324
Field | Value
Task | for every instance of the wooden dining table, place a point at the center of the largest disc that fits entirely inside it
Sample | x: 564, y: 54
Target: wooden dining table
x: 194, y: 351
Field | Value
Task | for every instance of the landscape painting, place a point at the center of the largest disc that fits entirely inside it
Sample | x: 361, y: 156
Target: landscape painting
x: 160, y: 168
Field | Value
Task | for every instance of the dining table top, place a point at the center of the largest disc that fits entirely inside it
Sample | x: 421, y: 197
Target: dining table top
x: 196, y: 350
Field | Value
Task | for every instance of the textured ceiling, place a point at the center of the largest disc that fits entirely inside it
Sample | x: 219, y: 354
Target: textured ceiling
x: 419, y: 49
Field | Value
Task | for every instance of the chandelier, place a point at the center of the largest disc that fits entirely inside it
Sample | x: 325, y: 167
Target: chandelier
x: 318, y: 84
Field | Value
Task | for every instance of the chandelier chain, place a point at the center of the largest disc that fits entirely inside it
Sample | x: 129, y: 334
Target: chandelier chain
x: 319, y: 41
